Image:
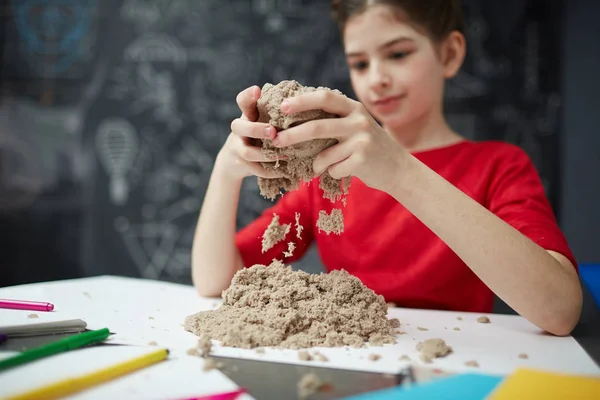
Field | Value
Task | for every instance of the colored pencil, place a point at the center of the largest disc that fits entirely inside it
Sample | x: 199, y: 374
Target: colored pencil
x: 60, y: 346
x: 70, y: 386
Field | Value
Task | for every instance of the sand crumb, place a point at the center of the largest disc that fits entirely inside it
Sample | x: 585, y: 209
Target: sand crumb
x: 483, y: 320
x: 331, y: 223
x: 290, y: 250
x: 320, y: 357
x: 150, y: 317
x: 390, y: 304
x: 309, y: 384
x: 299, y: 228
x: 421, y: 328
x: 374, y: 357
x: 275, y: 233
x: 298, y: 164
x: 303, y: 355
x: 433, y: 348
x: 279, y: 307
x: 33, y: 316
x: 523, y: 356
x: 192, y: 352
x: 456, y: 328
x: 472, y: 363
x: 86, y: 294
x: 260, y: 350
x: 152, y: 343
x: 211, y: 363
x: 204, y: 345
x: 405, y: 357
x: 459, y: 318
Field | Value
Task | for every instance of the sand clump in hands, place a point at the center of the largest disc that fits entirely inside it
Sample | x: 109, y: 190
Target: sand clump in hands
x: 278, y: 307
x: 295, y: 163
x: 298, y: 163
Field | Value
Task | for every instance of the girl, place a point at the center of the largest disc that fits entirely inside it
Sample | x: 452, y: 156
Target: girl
x: 432, y: 220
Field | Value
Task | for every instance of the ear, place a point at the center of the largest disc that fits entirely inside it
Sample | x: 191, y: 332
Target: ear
x: 453, y: 53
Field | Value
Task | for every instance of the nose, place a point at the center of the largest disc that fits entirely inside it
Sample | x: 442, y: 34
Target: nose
x: 379, y: 77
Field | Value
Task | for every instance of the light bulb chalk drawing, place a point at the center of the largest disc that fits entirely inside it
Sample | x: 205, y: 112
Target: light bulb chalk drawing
x: 117, y: 145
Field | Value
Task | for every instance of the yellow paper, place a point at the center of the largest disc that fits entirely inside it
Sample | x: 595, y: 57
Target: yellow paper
x: 527, y: 383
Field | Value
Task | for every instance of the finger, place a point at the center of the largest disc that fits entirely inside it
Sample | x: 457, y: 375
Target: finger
x: 329, y: 128
x: 331, y: 156
x: 246, y: 101
x: 342, y: 169
x: 325, y: 100
x: 244, y: 128
x: 257, y: 169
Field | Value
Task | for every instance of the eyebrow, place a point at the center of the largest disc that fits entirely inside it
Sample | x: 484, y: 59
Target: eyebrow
x: 385, y: 45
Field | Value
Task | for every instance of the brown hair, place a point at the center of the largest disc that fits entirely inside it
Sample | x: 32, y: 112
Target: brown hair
x: 438, y: 17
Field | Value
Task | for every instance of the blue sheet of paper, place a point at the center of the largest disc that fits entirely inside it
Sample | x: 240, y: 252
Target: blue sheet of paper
x: 463, y: 386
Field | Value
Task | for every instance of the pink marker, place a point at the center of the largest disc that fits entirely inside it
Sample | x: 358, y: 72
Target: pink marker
x: 220, y: 396
x: 26, y: 305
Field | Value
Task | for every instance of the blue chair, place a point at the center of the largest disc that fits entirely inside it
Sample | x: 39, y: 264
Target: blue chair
x: 590, y: 275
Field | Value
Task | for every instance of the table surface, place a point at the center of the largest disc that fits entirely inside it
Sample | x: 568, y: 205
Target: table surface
x: 143, y: 311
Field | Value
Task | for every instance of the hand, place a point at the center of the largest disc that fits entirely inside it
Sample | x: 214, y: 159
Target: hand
x: 241, y: 151
x: 364, y: 149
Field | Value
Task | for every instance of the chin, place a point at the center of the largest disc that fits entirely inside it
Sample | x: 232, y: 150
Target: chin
x: 392, y: 121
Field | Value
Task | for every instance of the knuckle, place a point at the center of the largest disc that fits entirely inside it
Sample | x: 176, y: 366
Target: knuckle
x: 245, y: 153
x: 362, y: 122
x: 234, y: 125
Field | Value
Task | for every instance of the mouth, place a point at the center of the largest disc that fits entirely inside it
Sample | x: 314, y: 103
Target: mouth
x: 385, y: 100
x: 387, y: 103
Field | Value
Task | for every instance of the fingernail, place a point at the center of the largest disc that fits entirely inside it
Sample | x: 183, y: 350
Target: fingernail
x: 268, y: 131
x: 285, y: 106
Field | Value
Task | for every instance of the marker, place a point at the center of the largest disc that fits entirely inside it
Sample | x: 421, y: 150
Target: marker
x: 73, y: 385
x: 63, y: 345
x: 26, y: 305
x: 220, y: 396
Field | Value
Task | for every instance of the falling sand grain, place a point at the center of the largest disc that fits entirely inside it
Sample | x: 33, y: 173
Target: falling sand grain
x: 331, y: 223
x: 275, y: 233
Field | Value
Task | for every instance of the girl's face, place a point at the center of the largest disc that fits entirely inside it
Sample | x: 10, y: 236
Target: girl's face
x: 396, y: 71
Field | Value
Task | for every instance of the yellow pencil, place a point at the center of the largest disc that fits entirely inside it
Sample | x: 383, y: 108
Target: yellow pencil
x: 77, y: 384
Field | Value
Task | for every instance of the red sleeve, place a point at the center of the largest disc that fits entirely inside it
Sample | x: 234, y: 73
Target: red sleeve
x: 249, y: 239
x: 516, y: 195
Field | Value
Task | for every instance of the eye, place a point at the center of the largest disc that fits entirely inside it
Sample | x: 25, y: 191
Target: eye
x: 398, y: 55
x: 359, y: 66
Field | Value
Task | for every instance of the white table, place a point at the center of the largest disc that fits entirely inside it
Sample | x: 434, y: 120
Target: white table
x: 143, y: 311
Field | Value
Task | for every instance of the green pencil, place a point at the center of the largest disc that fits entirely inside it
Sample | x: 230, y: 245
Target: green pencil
x: 63, y: 345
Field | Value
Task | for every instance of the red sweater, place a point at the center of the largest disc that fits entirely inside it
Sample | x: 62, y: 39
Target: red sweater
x: 396, y: 255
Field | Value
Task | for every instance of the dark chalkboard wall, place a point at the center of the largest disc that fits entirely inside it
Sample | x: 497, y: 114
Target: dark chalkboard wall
x: 112, y: 113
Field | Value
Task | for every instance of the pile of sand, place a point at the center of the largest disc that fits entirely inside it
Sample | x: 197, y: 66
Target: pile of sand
x: 278, y: 307
x: 298, y: 165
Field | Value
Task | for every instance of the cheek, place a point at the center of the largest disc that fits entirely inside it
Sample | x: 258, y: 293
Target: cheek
x: 423, y: 84
x: 360, y: 87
